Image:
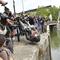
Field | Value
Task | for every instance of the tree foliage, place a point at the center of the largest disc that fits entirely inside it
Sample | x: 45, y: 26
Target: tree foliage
x: 54, y: 11
x: 49, y: 10
x: 42, y: 11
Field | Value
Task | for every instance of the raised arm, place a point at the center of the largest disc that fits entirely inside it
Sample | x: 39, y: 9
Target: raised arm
x: 3, y: 2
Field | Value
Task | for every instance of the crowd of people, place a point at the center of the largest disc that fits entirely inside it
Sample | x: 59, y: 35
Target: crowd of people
x: 6, y: 44
x: 37, y: 21
x: 5, y: 49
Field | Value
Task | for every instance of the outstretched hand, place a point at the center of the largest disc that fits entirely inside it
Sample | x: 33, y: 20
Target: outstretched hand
x: 3, y: 3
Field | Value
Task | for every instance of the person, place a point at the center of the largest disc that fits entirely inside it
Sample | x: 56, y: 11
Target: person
x: 9, y: 24
x: 41, y: 23
x: 9, y: 16
x: 36, y: 22
x: 6, y: 31
x: 31, y: 20
x: 7, y: 19
x: 5, y: 53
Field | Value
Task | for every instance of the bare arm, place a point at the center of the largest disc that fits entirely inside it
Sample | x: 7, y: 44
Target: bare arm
x: 3, y: 55
x: 3, y: 2
x: 6, y: 55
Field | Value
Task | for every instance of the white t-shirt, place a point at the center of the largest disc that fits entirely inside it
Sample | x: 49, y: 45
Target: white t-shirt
x: 1, y: 9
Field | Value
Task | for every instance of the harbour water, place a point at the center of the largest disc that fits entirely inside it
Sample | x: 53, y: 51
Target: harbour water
x: 55, y: 44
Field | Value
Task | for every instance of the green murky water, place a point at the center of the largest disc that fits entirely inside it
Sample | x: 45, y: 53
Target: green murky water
x: 55, y: 39
x: 55, y: 44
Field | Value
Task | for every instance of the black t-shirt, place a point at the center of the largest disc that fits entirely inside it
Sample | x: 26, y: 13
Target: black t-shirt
x: 31, y: 21
x: 3, y: 18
